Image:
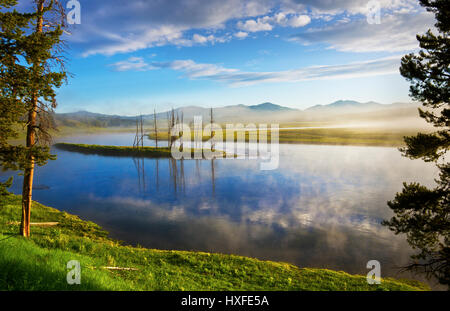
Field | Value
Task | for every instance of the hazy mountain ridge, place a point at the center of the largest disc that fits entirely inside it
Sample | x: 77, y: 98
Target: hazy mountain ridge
x: 336, y: 111
x: 347, y: 104
x: 269, y: 107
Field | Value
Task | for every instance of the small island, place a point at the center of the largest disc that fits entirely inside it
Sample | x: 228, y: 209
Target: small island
x: 120, y: 151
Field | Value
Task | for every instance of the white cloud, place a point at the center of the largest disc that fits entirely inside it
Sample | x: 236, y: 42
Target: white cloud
x: 267, y: 23
x: 395, y: 33
x: 261, y: 24
x: 349, y: 6
x: 131, y: 64
x: 280, y: 18
x: 113, y: 44
x: 236, y: 77
x: 199, y: 38
x: 202, y: 39
x: 118, y: 26
x: 299, y: 21
x: 194, y: 70
x: 241, y: 35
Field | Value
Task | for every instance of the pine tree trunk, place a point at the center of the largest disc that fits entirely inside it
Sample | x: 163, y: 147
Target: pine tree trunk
x: 28, y: 175
x: 27, y: 188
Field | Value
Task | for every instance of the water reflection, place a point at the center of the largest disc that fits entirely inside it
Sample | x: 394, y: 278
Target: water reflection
x: 139, y: 163
x: 321, y: 208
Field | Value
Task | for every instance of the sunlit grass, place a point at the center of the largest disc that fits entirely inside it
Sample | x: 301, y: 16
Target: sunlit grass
x: 151, y: 152
x: 358, y: 136
x: 127, y: 151
x: 329, y: 136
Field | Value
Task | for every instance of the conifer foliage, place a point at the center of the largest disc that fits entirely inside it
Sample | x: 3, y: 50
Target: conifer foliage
x: 31, y: 68
x: 421, y: 213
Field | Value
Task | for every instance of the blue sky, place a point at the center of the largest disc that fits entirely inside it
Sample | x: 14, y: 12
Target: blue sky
x: 129, y: 57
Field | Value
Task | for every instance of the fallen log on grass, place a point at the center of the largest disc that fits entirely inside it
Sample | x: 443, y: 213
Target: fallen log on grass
x: 120, y: 268
x: 41, y: 224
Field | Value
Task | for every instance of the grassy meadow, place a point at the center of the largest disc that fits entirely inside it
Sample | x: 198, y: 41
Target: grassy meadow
x: 150, y: 152
x: 125, y: 151
x: 312, y: 133
x: 326, y: 136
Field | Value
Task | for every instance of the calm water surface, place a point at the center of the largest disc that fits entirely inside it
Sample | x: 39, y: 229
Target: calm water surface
x: 321, y: 208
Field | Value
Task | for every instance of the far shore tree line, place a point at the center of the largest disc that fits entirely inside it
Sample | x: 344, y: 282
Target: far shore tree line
x: 32, y: 68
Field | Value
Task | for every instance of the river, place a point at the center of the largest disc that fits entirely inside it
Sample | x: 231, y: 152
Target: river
x: 321, y: 208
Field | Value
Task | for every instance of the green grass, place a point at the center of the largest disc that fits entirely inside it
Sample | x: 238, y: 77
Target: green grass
x: 39, y: 263
x: 151, y: 152
x: 389, y: 137
x: 125, y: 151
x: 347, y: 136
x: 328, y: 136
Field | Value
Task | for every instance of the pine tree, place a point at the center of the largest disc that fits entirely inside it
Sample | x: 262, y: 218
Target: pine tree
x: 424, y: 214
x: 12, y: 85
x: 32, y: 68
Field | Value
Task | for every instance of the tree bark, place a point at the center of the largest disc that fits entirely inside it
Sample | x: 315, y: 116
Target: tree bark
x: 28, y: 175
x: 27, y: 188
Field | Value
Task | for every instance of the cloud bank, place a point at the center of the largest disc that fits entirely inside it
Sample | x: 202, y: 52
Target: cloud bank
x: 121, y: 26
x: 235, y: 77
x: 395, y: 33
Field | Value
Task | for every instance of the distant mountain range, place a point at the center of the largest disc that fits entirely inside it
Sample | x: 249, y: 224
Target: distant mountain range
x: 220, y: 114
x: 346, y: 104
x: 269, y: 107
x: 352, y: 106
x: 255, y: 113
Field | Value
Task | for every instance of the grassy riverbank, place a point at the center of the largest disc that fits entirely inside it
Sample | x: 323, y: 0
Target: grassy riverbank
x: 121, y: 151
x: 39, y: 263
x: 329, y: 136
x: 364, y: 136
x: 149, y: 152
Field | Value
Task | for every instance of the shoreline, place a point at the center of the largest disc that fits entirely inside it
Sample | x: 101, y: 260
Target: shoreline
x: 333, y: 136
x: 122, y: 151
